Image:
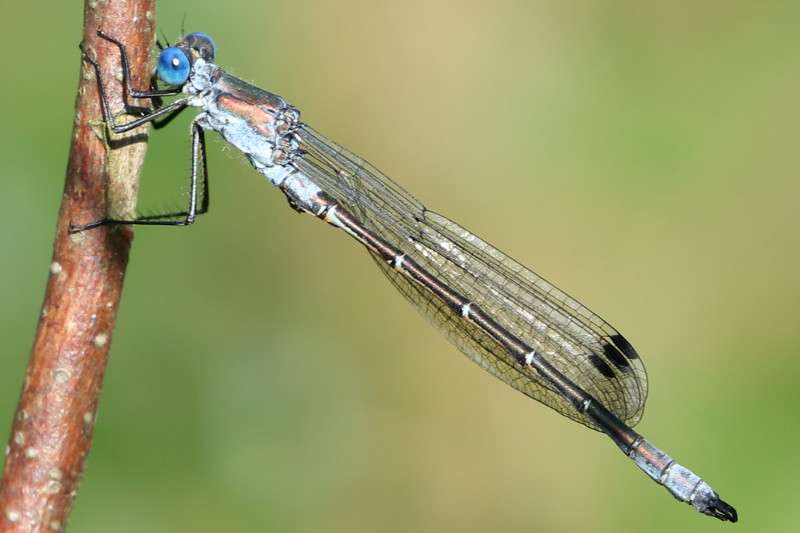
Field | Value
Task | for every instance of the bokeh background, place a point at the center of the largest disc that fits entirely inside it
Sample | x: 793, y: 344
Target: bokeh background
x: 265, y: 377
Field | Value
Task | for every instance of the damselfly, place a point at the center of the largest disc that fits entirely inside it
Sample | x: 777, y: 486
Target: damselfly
x: 510, y: 321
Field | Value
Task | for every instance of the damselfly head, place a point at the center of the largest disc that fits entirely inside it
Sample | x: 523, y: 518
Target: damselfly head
x: 175, y: 62
x: 173, y: 66
x: 200, y: 45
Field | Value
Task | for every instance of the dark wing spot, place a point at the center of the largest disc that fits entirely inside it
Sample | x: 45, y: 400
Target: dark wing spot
x: 601, y: 365
x: 624, y: 346
x: 616, y: 357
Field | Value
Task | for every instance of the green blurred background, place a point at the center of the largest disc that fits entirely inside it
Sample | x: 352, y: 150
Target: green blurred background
x: 264, y: 376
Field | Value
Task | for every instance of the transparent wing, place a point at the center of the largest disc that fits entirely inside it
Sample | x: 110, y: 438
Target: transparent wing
x: 577, y: 342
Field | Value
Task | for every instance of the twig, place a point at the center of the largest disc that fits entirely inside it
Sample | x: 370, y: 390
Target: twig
x: 54, y: 421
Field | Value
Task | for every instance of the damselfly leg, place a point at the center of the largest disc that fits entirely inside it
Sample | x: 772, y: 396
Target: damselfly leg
x: 181, y: 218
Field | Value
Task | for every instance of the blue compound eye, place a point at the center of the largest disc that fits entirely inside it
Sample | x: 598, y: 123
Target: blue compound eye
x: 203, y: 44
x: 173, y: 66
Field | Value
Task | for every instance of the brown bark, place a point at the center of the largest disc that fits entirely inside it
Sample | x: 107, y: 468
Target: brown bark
x: 54, y: 421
